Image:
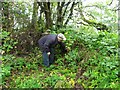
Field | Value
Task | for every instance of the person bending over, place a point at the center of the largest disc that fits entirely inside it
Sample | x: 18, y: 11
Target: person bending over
x: 47, y: 44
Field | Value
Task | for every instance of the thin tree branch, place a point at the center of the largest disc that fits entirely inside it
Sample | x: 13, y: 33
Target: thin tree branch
x: 71, y: 12
x: 90, y: 15
x: 99, y: 26
x: 83, y: 23
x: 110, y: 3
x: 66, y: 8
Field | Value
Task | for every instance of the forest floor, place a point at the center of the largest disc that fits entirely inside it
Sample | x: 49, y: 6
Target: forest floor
x: 29, y: 72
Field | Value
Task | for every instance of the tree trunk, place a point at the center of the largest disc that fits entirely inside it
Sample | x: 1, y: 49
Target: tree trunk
x: 47, y: 12
x: 59, y: 22
x: 71, y: 13
x: 7, y: 16
x: 34, y: 16
x: 41, y: 24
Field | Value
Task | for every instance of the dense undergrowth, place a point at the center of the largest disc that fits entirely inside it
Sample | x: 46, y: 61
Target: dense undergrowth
x: 91, y: 62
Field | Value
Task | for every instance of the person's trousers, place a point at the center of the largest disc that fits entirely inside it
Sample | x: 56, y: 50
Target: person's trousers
x: 48, y: 59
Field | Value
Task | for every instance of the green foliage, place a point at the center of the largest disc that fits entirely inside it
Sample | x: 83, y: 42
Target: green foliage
x: 32, y: 81
x: 92, y: 57
x: 6, y: 65
x: 102, y: 66
x: 102, y: 12
x: 94, y: 52
x: 22, y: 14
x: 102, y: 71
x: 8, y: 42
x: 105, y: 43
x: 51, y: 80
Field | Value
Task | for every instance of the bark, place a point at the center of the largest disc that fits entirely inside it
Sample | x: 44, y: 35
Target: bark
x: 40, y: 4
x: 34, y: 16
x: 41, y: 24
x: 60, y: 17
x: 47, y: 12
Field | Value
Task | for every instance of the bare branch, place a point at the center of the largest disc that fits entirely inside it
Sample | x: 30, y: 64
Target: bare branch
x: 116, y: 8
x: 90, y: 15
x: 66, y: 8
x: 92, y: 6
x: 71, y: 12
x: 110, y: 3
x: 62, y: 4
x: 82, y: 23
x: 67, y: 4
x: 92, y: 23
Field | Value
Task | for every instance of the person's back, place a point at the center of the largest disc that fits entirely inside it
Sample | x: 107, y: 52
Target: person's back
x: 50, y: 37
x: 47, y: 41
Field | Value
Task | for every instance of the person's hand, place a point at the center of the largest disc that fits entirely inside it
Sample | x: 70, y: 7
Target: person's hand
x: 67, y: 49
x: 48, y: 53
x: 64, y: 51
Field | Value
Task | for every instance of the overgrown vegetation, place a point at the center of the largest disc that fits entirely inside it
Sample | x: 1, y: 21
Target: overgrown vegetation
x: 92, y: 57
x: 92, y: 61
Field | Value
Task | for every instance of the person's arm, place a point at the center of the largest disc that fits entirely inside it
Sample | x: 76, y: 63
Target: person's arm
x: 62, y: 47
x: 46, y: 46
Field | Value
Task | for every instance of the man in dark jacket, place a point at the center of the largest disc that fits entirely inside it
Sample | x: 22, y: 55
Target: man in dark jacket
x: 47, y: 44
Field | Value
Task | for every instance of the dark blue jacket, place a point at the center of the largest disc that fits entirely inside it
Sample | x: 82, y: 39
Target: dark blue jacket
x: 49, y: 41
